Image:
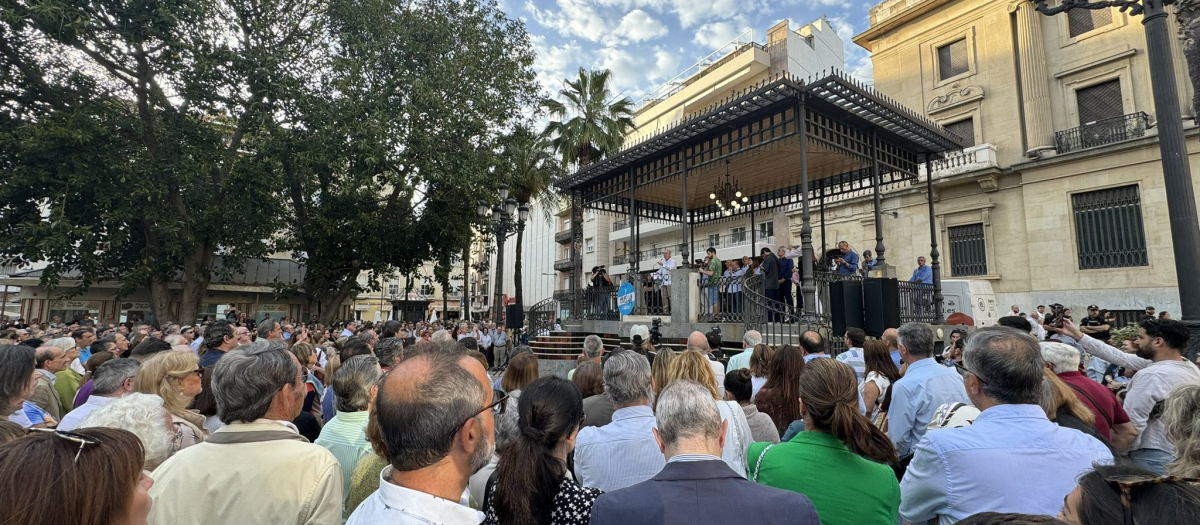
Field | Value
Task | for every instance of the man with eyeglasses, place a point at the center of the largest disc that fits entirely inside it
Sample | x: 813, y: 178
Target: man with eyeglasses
x: 1012, y: 458
x: 436, y: 414
x: 242, y: 334
x: 1158, y: 359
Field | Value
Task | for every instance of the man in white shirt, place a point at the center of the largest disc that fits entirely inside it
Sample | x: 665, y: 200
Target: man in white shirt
x: 1161, y: 367
x: 750, y: 339
x: 348, y: 331
x: 112, y: 380
x: 854, y: 356
x: 623, y: 452
x: 430, y: 463
x: 663, y: 276
x: 699, y: 342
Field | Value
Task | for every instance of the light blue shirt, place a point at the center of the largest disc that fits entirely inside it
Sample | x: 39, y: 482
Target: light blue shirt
x: 851, y: 265
x: 739, y: 361
x: 916, y: 396
x: 735, y: 283
x: 923, y: 274
x: 345, y: 437
x: 1012, y: 459
x: 620, y: 454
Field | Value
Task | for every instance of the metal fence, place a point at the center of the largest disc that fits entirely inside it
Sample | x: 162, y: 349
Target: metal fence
x: 1100, y: 132
x: 777, y: 323
x: 721, y: 300
x: 916, y: 302
x: 600, y: 303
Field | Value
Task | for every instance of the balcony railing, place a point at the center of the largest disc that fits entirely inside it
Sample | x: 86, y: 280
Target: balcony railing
x: 620, y: 225
x: 736, y: 239
x: 978, y: 157
x: 1101, y: 132
x: 563, y: 237
x: 563, y: 265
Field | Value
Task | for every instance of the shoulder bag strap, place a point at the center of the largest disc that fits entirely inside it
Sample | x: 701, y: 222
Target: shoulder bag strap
x: 758, y: 464
x: 1094, y: 403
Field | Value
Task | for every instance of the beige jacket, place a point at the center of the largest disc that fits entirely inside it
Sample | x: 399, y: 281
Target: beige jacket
x: 277, y: 482
x: 46, y: 397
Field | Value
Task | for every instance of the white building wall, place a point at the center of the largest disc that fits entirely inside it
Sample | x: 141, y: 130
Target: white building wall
x: 813, y: 48
x: 539, y: 251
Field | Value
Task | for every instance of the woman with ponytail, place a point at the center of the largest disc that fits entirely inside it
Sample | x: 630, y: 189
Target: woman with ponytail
x: 841, y: 460
x: 531, y: 483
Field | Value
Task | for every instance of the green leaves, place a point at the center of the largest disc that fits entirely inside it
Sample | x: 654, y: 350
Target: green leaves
x: 595, y: 124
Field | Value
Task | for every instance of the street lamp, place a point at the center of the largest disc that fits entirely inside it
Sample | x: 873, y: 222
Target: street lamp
x: 502, y: 226
x: 1181, y: 201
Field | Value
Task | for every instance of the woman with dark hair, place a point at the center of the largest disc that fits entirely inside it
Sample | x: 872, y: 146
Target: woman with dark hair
x: 1126, y: 493
x: 18, y: 380
x: 881, y: 373
x: 779, y: 397
x: 760, y: 367
x: 532, y: 486
x: 76, y: 466
x: 856, y: 486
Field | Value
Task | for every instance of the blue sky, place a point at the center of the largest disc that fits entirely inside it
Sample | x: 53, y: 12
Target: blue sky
x: 646, y: 42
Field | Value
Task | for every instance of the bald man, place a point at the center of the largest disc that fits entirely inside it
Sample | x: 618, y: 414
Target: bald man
x: 892, y: 338
x: 436, y: 414
x: 699, y: 342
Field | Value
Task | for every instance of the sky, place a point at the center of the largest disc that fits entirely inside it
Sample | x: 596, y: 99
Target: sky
x: 647, y: 42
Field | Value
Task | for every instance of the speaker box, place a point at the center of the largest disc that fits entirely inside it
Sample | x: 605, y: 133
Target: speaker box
x: 881, y: 305
x: 514, y: 317
x: 846, y: 301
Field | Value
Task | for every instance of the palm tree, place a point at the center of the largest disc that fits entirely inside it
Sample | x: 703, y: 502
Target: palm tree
x: 531, y: 180
x: 597, y: 123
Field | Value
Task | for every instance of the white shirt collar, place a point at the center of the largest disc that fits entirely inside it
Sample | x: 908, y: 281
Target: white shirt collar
x: 427, y: 507
x: 288, y: 425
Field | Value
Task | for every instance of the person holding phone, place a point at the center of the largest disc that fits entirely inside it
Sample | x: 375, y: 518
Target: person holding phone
x: 847, y: 264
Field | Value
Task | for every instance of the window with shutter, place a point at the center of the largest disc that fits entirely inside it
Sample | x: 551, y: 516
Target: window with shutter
x: 1080, y: 21
x: 964, y: 129
x: 968, y: 250
x: 1099, y: 102
x: 1108, y: 228
x: 952, y: 59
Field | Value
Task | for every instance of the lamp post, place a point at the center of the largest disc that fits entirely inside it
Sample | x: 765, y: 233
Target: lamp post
x: 1181, y: 201
x: 503, y: 224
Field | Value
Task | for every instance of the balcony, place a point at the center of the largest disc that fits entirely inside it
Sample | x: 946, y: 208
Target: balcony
x: 620, y: 225
x: 1101, y: 132
x: 974, y: 158
x: 564, y: 265
x: 563, y: 237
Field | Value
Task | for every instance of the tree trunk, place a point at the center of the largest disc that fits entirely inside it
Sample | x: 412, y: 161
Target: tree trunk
x: 197, y: 274
x: 1187, y: 13
x: 518, y: 285
x: 464, y: 305
x: 444, y: 297
x: 160, y: 300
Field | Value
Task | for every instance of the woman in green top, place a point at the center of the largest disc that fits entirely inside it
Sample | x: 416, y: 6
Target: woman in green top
x: 840, y: 461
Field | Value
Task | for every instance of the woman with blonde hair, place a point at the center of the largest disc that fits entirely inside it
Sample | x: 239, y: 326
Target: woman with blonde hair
x: 176, y: 378
x: 660, y: 370
x: 760, y: 366
x: 694, y: 366
x: 1062, y: 406
x: 1182, y: 419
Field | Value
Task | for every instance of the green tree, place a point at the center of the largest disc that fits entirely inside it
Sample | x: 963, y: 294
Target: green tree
x: 531, y: 180
x: 588, y: 123
x: 123, y: 126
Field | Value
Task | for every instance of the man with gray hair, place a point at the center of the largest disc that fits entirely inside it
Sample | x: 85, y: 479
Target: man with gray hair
x: 621, y: 453
x: 750, y: 339
x: 258, y: 466
x: 926, y: 386
x: 593, y: 350
x: 437, y: 417
x: 112, y: 380
x: 269, y: 329
x: 388, y: 350
x: 1111, y: 420
x: 690, y: 435
x: 345, y: 435
x: 1012, y: 458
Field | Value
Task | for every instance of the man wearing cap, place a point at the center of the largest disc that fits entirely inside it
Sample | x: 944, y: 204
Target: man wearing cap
x: 1095, y: 325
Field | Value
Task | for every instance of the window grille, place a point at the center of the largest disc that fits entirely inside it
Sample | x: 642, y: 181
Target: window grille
x: 1108, y: 228
x: 952, y: 59
x: 1080, y: 21
x: 1099, y: 102
x: 964, y: 129
x: 968, y: 250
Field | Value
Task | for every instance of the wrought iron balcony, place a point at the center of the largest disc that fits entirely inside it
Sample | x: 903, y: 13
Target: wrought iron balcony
x: 563, y: 265
x: 1101, y: 132
x: 620, y: 259
x: 563, y: 237
x: 620, y: 225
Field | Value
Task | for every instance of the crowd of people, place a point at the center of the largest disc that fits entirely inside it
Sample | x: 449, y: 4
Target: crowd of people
x: 393, y: 423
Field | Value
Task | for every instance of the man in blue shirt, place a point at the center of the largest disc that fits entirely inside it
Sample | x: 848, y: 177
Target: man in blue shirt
x: 847, y: 264
x: 1012, y: 458
x: 925, y: 387
x: 923, y: 273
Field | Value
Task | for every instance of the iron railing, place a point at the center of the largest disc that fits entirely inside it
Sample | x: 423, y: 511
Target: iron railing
x: 738, y: 239
x: 620, y: 225
x: 541, y: 316
x: 916, y: 302
x: 652, y: 254
x: 563, y: 237
x: 777, y: 324
x: 723, y: 302
x: 563, y: 265
x: 1101, y: 132
x: 600, y: 304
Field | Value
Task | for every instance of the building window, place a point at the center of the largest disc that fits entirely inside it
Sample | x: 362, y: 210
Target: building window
x: 1100, y: 101
x: 1108, y: 228
x: 714, y: 240
x: 964, y: 129
x: 1080, y: 21
x: 739, y: 236
x: 591, y: 215
x: 590, y: 242
x: 968, y: 250
x: 952, y: 59
x: 393, y: 290
x: 766, y: 230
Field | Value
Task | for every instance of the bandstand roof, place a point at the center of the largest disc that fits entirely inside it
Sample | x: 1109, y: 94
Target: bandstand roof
x: 752, y: 136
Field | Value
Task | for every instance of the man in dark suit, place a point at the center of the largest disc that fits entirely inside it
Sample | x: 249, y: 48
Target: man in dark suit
x: 771, y: 275
x: 785, y: 282
x: 691, y: 434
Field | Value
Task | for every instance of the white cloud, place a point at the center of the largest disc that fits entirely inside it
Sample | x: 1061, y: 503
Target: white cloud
x: 554, y: 63
x: 716, y: 34
x: 638, y: 26
x: 573, y: 18
x: 636, y: 71
x: 858, y: 61
x: 692, y: 12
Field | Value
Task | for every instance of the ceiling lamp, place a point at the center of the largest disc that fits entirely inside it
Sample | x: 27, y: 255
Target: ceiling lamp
x: 728, y: 197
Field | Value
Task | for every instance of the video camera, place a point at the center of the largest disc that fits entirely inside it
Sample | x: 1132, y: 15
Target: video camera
x: 656, y: 332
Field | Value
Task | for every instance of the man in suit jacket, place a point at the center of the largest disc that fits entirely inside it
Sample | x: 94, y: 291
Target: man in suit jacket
x: 49, y: 360
x: 691, y: 434
x: 785, y: 277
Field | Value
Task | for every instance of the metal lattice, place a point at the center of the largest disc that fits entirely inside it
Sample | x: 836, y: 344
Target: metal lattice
x: 952, y: 59
x: 965, y: 130
x: 1080, y: 21
x: 1099, y: 102
x: 968, y: 250
x: 1108, y: 228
